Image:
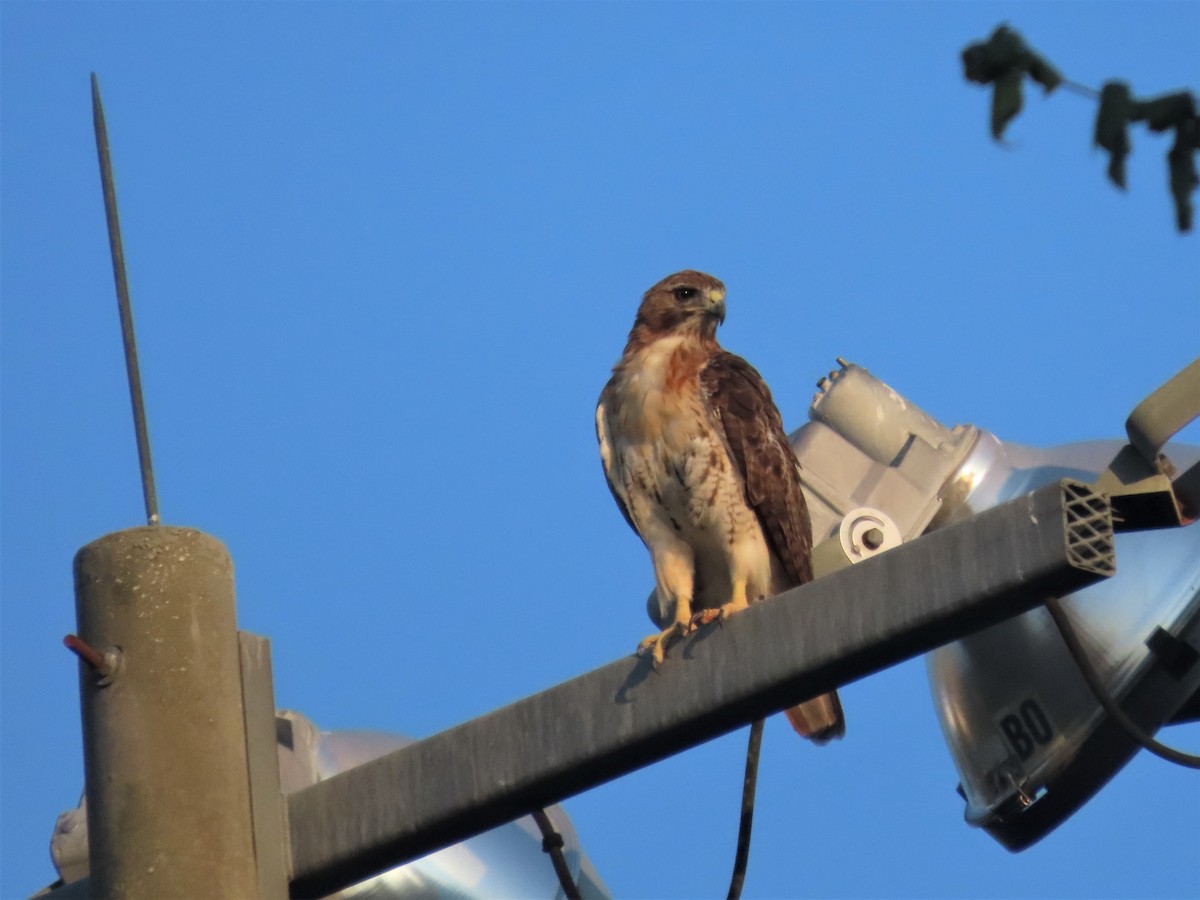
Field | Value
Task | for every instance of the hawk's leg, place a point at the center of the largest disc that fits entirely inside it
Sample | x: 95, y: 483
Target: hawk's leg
x: 674, y: 576
x: 736, y: 604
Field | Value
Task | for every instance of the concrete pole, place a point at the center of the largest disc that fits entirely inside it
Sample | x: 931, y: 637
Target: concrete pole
x: 164, y: 735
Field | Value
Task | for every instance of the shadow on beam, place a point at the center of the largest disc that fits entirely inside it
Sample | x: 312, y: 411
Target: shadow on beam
x: 623, y: 716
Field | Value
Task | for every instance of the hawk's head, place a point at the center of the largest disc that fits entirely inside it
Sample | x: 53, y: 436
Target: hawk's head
x: 687, y: 302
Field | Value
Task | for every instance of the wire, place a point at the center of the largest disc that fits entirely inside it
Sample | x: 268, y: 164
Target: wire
x: 552, y: 843
x: 1081, y: 89
x: 746, y: 824
x: 1131, y: 728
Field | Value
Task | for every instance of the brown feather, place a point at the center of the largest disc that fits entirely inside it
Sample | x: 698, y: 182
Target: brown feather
x: 820, y: 719
x: 660, y: 315
x: 606, y: 398
x: 760, y: 449
x: 754, y: 431
x: 672, y: 369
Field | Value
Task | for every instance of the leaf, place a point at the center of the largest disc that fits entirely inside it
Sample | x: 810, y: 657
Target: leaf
x: 1006, y: 102
x: 1043, y: 73
x: 986, y: 61
x: 1112, y: 127
x: 1167, y: 111
x: 1003, y: 60
x: 978, y: 65
x: 1181, y: 162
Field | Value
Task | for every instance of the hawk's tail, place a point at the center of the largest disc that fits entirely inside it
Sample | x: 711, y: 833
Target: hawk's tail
x: 819, y: 719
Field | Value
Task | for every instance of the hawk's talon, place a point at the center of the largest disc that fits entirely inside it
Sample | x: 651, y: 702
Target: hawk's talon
x: 656, y: 644
x: 705, y: 617
x: 718, y: 615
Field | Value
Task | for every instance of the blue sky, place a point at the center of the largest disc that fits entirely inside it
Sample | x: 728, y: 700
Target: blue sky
x: 382, y: 257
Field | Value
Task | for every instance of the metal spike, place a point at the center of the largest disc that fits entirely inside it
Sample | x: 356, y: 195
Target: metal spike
x: 123, y: 306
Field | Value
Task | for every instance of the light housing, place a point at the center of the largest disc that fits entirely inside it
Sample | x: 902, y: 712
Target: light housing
x: 1030, y: 740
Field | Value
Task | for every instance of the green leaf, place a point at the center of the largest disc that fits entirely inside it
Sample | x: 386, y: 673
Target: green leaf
x: 978, y: 65
x: 1181, y: 162
x: 1043, y: 73
x: 1167, y: 111
x: 1006, y: 102
x: 986, y: 61
x: 1112, y: 127
x: 1003, y: 60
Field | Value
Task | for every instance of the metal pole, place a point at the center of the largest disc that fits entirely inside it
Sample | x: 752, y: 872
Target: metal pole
x: 164, y: 736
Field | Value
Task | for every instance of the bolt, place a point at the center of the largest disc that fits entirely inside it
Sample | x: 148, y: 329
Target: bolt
x: 872, y: 538
x: 103, y: 663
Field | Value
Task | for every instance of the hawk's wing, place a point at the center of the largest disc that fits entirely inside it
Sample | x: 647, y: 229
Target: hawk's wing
x: 743, y: 409
x: 606, y: 453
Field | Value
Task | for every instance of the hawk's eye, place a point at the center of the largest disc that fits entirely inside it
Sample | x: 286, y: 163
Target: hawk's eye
x: 685, y: 293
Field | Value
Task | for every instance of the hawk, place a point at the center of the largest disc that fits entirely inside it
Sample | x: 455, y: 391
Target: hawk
x: 696, y: 457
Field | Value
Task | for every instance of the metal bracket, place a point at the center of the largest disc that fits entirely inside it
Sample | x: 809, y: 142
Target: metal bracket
x: 862, y: 533
x: 1141, y: 480
x: 267, y: 810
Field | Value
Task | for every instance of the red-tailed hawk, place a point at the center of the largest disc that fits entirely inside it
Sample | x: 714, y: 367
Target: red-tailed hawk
x: 697, y: 460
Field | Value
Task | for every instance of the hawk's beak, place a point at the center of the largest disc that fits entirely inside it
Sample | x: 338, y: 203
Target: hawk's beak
x: 716, y: 300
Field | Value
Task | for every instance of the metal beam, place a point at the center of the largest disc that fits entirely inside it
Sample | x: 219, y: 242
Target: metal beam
x: 623, y: 716
x: 262, y: 756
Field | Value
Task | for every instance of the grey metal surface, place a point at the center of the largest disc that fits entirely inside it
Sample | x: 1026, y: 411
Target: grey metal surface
x: 866, y: 446
x: 1059, y: 747
x: 68, y: 843
x: 624, y: 716
x: 1094, y: 758
x: 505, y: 862
x: 169, y: 803
x: 80, y: 889
x: 1159, y: 417
x: 1017, y: 716
x: 266, y: 796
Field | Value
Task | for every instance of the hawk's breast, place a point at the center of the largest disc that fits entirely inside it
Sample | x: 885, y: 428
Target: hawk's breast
x: 671, y: 465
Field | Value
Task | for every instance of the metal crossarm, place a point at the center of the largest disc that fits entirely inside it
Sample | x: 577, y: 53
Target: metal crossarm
x: 623, y: 716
